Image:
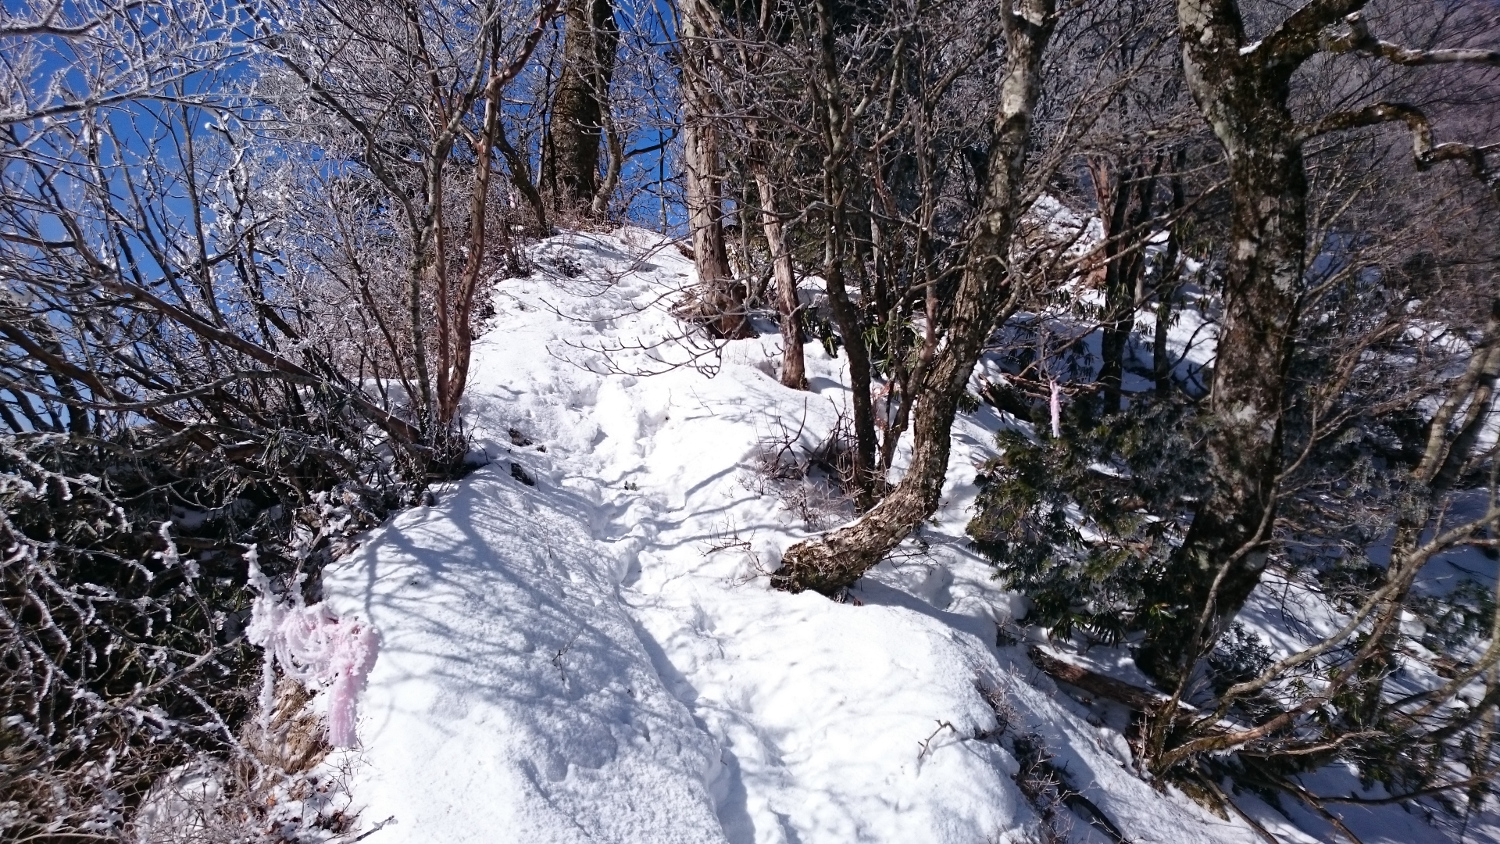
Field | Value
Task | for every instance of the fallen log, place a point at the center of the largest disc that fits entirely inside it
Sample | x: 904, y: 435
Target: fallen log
x: 1137, y: 699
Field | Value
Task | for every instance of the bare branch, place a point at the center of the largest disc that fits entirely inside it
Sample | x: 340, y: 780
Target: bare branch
x: 1424, y: 151
x: 1358, y: 39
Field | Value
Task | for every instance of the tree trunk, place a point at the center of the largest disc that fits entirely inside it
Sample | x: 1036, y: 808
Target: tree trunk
x: 793, y: 364
x: 1167, y: 285
x: 468, y: 283
x: 590, y: 37
x: 722, y: 297
x: 984, y: 299
x: 833, y: 113
x: 1112, y: 195
x: 1244, y: 98
x: 1125, y: 197
x: 851, y: 327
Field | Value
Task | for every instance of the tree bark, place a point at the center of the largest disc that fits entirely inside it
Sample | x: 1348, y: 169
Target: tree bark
x: 1244, y: 96
x: 590, y: 37
x: 984, y: 299
x: 793, y: 364
x: 723, y: 298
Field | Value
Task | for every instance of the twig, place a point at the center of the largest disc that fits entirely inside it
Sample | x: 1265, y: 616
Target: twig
x: 374, y: 829
x: 927, y: 742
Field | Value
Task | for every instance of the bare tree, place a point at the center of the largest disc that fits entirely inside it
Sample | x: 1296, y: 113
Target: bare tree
x: 165, y: 403
x: 1244, y: 90
x: 987, y: 294
x: 401, y: 106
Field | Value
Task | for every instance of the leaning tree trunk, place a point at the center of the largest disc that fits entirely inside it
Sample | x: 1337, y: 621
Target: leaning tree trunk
x: 984, y: 299
x: 579, y: 106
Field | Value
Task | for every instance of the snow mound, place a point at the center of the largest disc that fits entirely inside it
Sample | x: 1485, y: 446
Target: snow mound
x: 579, y: 643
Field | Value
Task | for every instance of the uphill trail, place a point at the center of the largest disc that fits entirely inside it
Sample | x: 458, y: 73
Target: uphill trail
x: 578, y: 639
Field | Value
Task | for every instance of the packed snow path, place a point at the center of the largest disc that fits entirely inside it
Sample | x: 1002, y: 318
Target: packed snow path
x: 513, y: 699
x: 595, y: 655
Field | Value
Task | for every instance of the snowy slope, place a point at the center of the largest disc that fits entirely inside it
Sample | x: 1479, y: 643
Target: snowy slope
x: 597, y: 656
x: 512, y: 699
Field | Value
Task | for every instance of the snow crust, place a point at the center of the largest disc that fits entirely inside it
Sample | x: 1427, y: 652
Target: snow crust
x: 596, y: 656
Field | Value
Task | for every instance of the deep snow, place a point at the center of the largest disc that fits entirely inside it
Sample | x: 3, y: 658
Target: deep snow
x: 596, y: 656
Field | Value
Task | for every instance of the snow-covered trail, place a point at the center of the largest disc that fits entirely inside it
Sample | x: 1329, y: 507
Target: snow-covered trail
x: 596, y: 657
x: 512, y: 699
